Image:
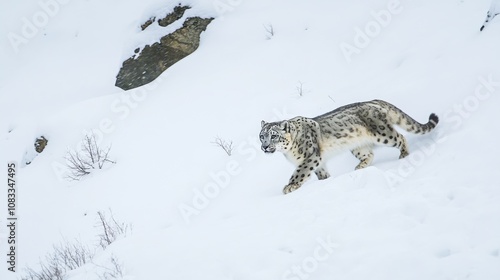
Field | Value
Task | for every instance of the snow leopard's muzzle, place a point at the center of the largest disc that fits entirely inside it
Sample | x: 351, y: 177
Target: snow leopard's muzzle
x: 268, y: 149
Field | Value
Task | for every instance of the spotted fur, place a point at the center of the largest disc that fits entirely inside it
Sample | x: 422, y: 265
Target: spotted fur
x: 357, y: 127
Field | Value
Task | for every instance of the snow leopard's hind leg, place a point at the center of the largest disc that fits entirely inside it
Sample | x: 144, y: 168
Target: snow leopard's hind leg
x: 388, y: 136
x: 364, y: 154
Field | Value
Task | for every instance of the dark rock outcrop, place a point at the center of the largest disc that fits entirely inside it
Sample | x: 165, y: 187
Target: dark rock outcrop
x: 40, y: 144
x: 172, y: 17
x: 147, y: 65
x: 168, y: 19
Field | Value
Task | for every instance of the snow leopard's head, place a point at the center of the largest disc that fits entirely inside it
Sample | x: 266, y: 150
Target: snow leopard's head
x: 276, y: 136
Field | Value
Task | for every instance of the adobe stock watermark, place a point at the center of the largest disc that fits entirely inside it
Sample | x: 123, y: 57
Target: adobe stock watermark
x: 31, y: 26
x: 219, y: 181
x: 372, y: 29
x: 470, y: 104
x: 455, y: 117
x: 323, y: 250
x: 121, y: 108
x: 223, y: 7
x: 246, y: 151
x: 414, y: 160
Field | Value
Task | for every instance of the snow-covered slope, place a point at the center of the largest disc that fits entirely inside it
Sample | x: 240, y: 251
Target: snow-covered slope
x: 198, y: 213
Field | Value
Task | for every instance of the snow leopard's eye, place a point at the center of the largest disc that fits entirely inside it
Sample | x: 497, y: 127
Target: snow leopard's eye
x: 261, y: 137
x: 274, y: 136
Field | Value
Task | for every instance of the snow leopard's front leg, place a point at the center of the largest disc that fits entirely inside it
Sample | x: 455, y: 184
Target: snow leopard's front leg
x: 302, y: 173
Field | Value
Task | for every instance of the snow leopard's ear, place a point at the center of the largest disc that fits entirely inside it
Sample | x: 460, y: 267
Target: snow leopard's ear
x: 262, y: 123
x: 285, y: 126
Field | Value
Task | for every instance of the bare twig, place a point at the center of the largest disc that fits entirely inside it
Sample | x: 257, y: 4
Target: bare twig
x: 111, y: 229
x: 64, y: 257
x: 225, y: 145
x: 300, y: 88
x: 113, y: 272
x: 269, y: 31
x: 89, y: 157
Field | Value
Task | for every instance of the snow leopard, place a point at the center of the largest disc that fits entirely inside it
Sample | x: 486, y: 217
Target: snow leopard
x: 358, y: 127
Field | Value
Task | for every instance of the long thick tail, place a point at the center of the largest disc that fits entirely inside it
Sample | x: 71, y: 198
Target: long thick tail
x: 403, y: 120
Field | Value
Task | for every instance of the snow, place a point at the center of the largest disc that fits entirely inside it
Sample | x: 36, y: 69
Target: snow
x: 491, y: 14
x: 197, y: 213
